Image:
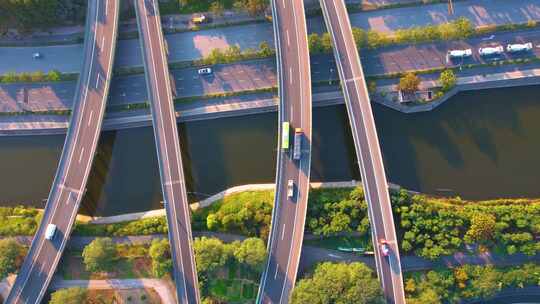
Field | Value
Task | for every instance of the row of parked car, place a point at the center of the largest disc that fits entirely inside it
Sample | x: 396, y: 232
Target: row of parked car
x: 492, y: 50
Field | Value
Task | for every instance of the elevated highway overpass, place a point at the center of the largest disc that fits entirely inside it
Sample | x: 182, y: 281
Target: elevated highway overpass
x: 289, y: 213
x: 171, y: 170
x: 367, y: 148
x: 69, y: 184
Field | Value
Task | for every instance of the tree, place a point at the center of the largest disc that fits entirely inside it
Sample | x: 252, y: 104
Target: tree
x: 482, y: 227
x: 265, y: 49
x: 447, y: 80
x: 53, y: 75
x: 360, y: 37
x: 160, y: 254
x: 217, y: 8
x: 338, y: 283
x: 99, y: 255
x: 37, y: 76
x: 74, y: 295
x: 10, y: 252
x: 326, y: 42
x: 252, y: 252
x: 315, y: 43
x: 210, y: 254
x: 253, y: 7
x: 409, y: 83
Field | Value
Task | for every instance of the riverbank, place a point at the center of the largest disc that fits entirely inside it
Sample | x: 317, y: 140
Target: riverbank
x: 256, y: 103
x: 387, y: 95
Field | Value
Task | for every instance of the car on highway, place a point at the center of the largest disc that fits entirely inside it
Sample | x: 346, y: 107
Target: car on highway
x: 50, y: 232
x: 459, y: 53
x: 290, y: 188
x: 37, y: 55
x: 491, y: 50
x: 204, y: 71
x: 519, y: 47
x: 383, y: 245
x: 297, y: 151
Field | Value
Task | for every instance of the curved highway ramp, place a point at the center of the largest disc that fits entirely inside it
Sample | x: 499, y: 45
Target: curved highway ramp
x: 69, y: 184
x: 171, y: 170
x: 367, y: 148
x: 293, y: 163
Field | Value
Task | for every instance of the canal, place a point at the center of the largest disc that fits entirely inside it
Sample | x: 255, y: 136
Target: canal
x: 479, y: 145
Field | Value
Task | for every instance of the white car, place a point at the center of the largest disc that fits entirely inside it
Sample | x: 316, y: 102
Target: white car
x: 459, y: 53
x: 385, y: 250
x: 487, y: 51
x: 204, y: 71
x: 50, y: 232
x: 290, y: 188
x: 519, y: 47
x: 36, y: 55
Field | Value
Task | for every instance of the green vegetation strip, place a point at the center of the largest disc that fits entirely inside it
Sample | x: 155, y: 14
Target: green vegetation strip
x: 38, y: 76
x: 426, y: 226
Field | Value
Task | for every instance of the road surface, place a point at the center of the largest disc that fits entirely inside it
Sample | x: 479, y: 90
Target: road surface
x: 171, y: 170
x: 69, y: 184
x: 289, y: 213
x: 367, y: 149
x: 192, y: 45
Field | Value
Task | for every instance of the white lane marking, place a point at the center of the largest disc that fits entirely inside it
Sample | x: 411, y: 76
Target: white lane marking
x: 283, y: 4
x: 90, y: 118
x: 97, y: 81
x: 283, y: 232
x: 103, y: 41
x: 106, y: 7
x: 276, y: 273
x: 81, y: 155
x: 290, y: 75
x: 288, y: 38
x: 353, y: 79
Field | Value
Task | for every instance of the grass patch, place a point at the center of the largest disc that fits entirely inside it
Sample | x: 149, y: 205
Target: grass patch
x: 333, y: 242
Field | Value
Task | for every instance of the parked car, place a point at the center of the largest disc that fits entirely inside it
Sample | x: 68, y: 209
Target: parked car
x: 36, y: 55
x: 493, y: 50
x: 199, y: 19
x: 459, y: 53
x: 385, y: 249
x: 290, y: 188
x: 519, y: 47
x: 204, y: 71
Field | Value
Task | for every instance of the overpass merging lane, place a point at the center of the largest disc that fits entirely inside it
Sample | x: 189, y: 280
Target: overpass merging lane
x: 367, y: 148
x: 289, y: 212
x: 69, y: 184
x: 171, y: 171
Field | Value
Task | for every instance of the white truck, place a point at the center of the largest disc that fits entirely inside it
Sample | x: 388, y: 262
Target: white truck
x: 519, y: 47
x: 459, y: 53
x: 50, y: 232
x: 492, y: 50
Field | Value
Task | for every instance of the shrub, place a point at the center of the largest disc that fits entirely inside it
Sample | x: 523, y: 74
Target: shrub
x: 99, y: 255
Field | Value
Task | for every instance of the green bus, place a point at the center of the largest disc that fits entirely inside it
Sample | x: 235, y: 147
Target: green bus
x: 285, y: 135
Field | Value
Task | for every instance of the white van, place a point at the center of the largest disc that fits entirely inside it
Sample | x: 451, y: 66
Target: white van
x: 459, y: 53
x: 50, y: 232
x: 519, y: 47
x: 487, y: 51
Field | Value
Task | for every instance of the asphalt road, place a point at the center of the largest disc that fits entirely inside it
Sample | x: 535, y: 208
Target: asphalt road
x: 168, y: 148
x: 367, y: 149
x: 194, y: 44
x: 261, y: 73
x: 69, y: 184
x: 289, y: 213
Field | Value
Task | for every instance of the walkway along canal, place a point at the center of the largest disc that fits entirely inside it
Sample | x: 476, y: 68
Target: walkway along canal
x: 483, y: 144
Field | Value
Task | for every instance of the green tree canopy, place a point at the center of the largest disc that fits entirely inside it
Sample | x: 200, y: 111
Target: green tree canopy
x: 160, y: 254
x: 10, y: 252
x: 210, y: 253
x: 252, y: 252
x: 99, y: 255
x: 409, y: 83
x: 482, y: 227
x: 75, y: 295
x: 338, y: 283
x: 447, y: 80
